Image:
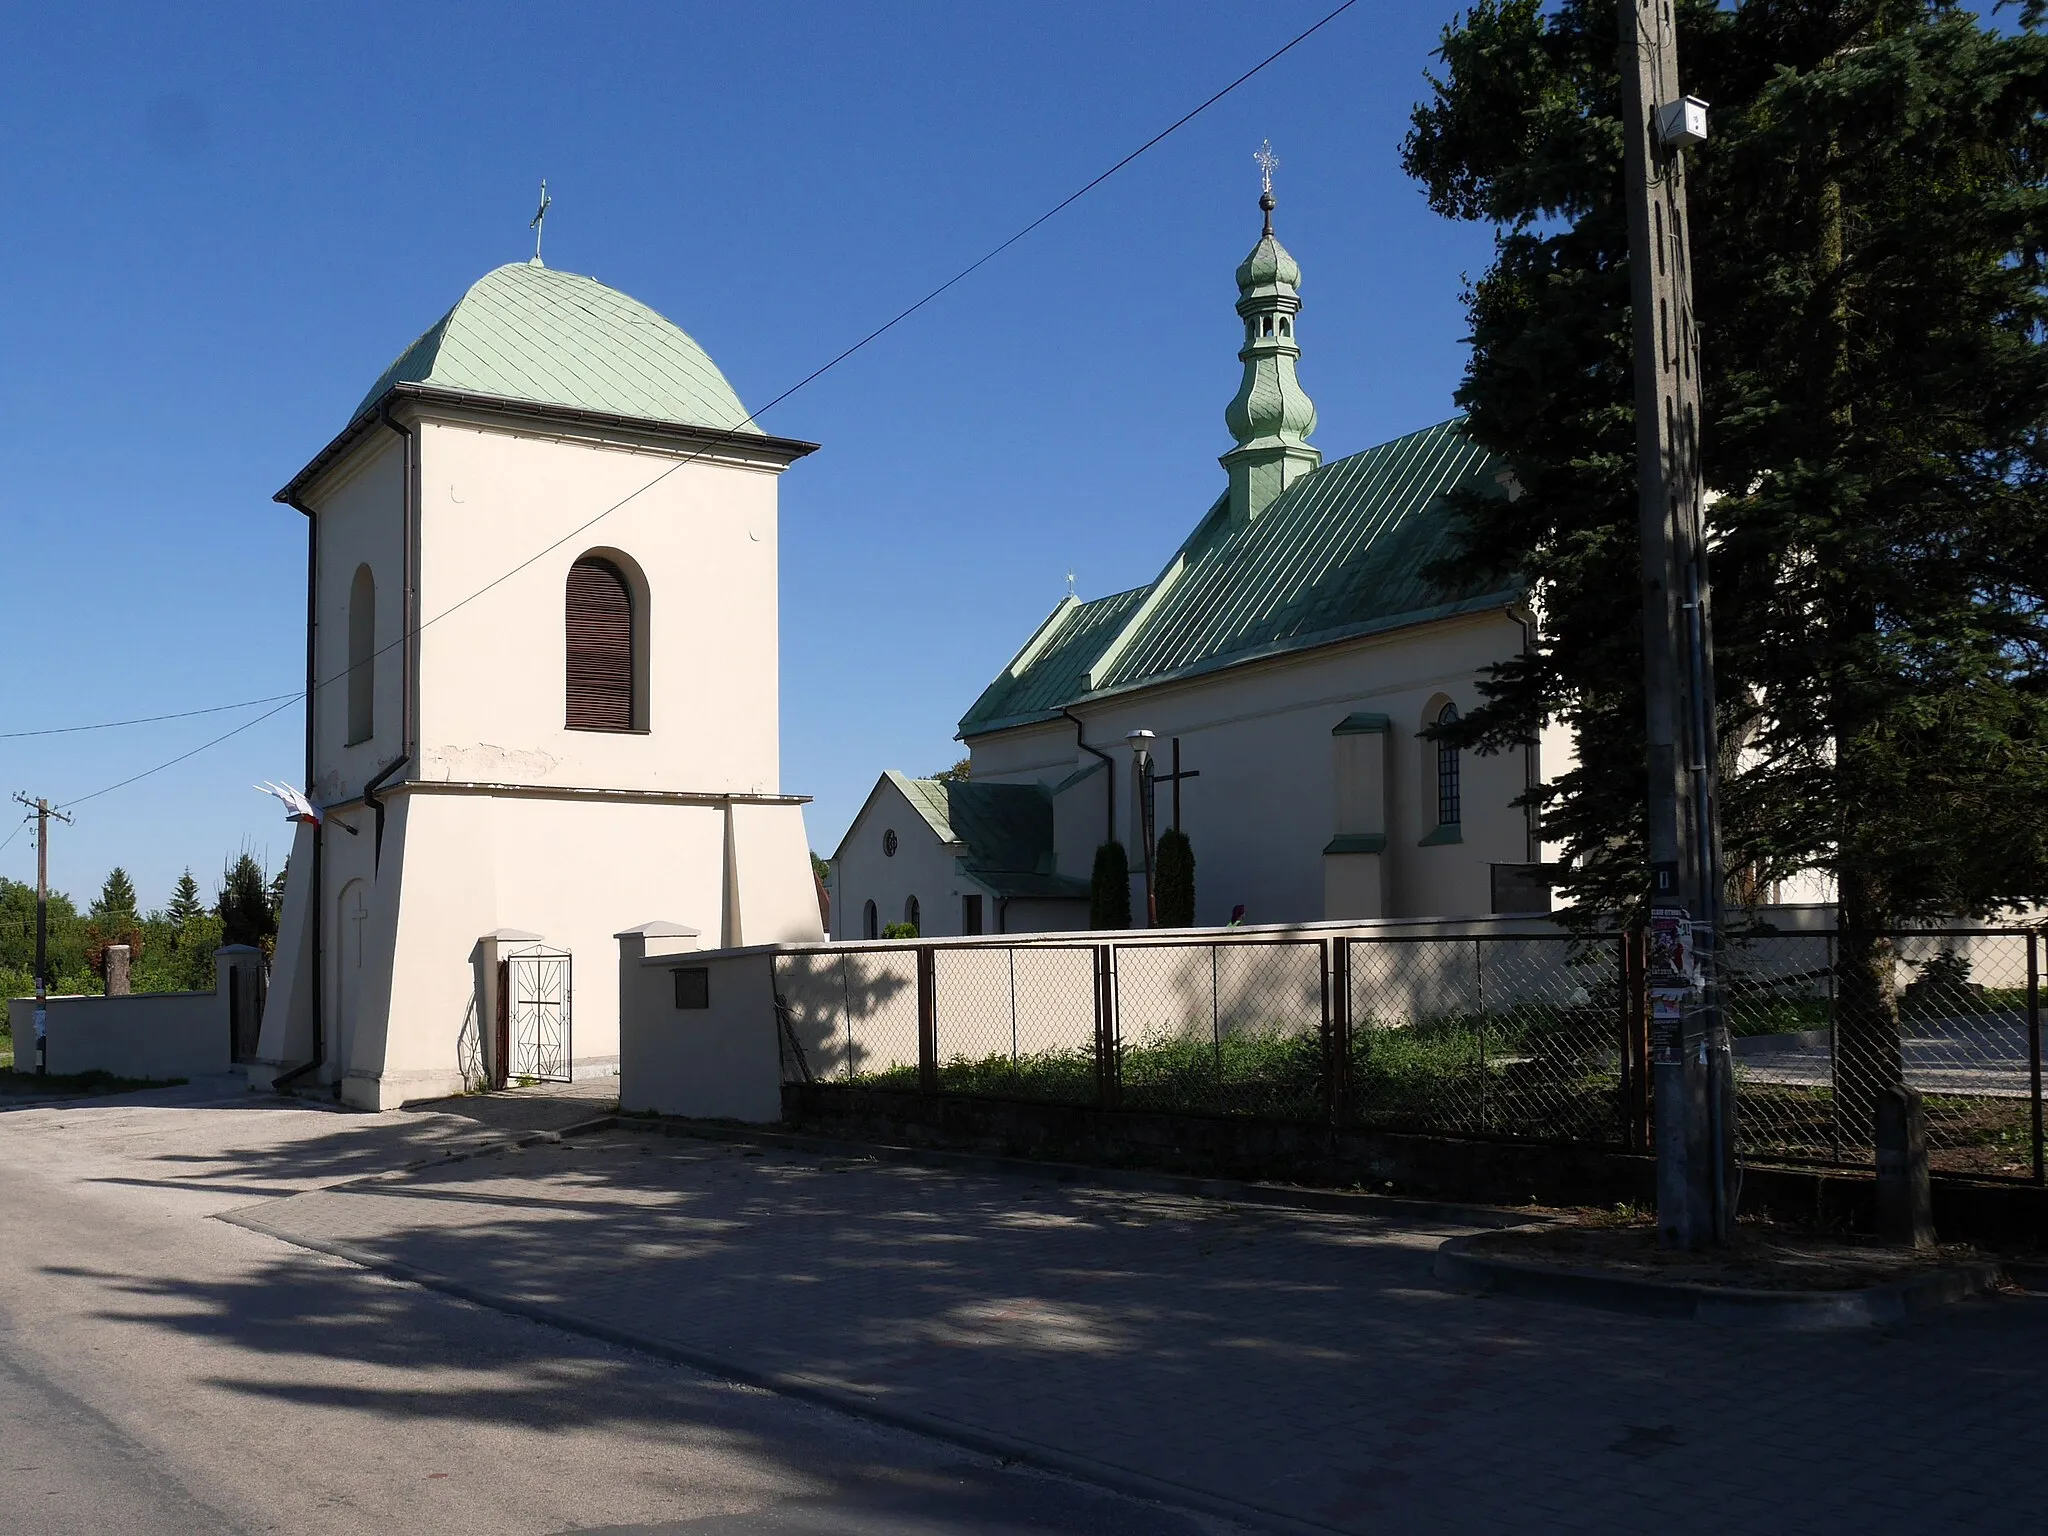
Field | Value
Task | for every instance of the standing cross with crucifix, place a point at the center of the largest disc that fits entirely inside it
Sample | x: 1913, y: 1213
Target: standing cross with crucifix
x: 1174, y: 779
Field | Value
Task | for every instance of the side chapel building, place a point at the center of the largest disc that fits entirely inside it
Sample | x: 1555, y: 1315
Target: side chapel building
x: 543, y: 696
x: 1286, y: 659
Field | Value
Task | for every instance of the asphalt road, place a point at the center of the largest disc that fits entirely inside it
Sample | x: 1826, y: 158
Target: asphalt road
x: 164, y: 1372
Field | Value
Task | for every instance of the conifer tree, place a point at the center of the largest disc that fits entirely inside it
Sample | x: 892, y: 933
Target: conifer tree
x: 185, y: 904
x: 1109, y: 888
x: 244, y: 903
x: 1176, y: 876
x: 1869, y: 231
x: 117, y: 899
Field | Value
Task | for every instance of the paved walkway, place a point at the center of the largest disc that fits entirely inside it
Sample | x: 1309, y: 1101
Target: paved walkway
x: 1300, y: 1366
x: 162, y: 1372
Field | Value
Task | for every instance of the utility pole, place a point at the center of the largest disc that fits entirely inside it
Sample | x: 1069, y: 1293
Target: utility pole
x: 1141, y: 779
x: 1693, y: 1074
x: 43, y: 814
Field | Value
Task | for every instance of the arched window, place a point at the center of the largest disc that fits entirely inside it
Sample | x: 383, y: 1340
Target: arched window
x: 605, y: 654
x: 870, y: 922
x: 1286, y: 326
x: 1447, y: 790
x: 910, y: 914
x: 362, y: 656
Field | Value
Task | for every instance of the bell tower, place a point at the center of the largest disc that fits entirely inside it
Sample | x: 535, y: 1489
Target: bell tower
x: 1272, y: 416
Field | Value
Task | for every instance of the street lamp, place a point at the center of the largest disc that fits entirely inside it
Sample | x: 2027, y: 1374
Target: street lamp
x: 1141, y: 773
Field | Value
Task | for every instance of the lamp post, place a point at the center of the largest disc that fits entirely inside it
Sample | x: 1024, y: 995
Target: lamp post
x: 1141, y: 773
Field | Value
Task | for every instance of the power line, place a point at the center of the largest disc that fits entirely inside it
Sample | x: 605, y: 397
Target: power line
x: 184, y: 714
x: 16, y: 832
x: 733, y: 433
x: 160, y: 767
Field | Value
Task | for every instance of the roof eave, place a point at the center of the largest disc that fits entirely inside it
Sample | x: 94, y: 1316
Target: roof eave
x: 1414, y: 618
x: 784, y: 450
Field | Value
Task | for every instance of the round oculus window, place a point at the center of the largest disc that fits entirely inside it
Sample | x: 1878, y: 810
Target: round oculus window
x: 889, y: 843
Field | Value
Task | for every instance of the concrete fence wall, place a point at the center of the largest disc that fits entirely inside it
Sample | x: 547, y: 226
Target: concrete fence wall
x: 149, y: 1035
x: 851, y: 1009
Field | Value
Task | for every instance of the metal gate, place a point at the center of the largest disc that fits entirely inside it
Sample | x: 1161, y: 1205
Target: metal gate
x: 538, y: 1012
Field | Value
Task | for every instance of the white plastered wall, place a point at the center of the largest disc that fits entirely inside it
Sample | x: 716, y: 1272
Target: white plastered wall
x: 703, y: 534
x: 488, y: 715
x: 1265, y: 806
x: 924, y: 866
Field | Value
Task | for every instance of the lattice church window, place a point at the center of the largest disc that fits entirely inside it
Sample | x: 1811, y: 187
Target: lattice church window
x: 1448, y: 808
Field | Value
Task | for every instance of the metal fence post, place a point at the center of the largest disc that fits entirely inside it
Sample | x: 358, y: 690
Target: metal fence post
x: 2034, y: 1045
x: 1107, y: 1083
x: 1635, y: 1040
x: 1337, y: 1028
x: 927, y: 1020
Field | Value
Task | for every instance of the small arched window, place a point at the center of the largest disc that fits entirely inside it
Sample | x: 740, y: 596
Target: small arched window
x: 910, y: 914
x: 1266, y: 325
x: 604, y: 654
x: 1448, y: 809
x: 362, y: 656
x: 1286, y: 326
x: 870, y: 922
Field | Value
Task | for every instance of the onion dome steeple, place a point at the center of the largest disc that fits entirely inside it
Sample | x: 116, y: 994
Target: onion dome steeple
x: 1272, y: 417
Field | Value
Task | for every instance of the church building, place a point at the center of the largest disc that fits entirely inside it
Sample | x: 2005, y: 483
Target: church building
x: 542, y: 679
x: 1285, y: 662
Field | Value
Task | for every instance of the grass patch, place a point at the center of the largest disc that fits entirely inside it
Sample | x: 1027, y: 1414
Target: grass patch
x: 1541, y: 1072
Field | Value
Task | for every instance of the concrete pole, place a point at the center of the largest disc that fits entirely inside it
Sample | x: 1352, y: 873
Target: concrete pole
x: 1689, y: 1039
x: 43, y: 814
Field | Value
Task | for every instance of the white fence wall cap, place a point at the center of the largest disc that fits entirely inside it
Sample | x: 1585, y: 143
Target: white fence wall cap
x: 659, y: 929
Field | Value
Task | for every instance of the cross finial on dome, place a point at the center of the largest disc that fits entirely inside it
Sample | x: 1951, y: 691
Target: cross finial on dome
x: 539, y: 218
x: 1268, y: 164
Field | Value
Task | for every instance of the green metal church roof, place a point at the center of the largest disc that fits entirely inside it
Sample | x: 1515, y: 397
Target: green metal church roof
x: 529, y: 333
x: 1339, y: 554
x: 1006, y: 829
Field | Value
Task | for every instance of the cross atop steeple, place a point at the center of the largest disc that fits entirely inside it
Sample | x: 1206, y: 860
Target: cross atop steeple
x: 539, y: 218
x: 1268, y: 164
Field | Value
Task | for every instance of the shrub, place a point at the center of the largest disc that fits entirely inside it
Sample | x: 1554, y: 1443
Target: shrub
x: 1109, y: 888
x: 1175, y: 879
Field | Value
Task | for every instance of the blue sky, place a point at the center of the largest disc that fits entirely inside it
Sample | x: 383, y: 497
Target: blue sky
x: 222, y: 222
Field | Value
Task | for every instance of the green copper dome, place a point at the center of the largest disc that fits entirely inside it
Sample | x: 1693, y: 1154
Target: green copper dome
x: 1268, y: 269
x: 525, y: 332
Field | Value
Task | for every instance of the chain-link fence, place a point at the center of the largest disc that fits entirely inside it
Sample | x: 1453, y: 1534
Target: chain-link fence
x: 1822, y: 1022
x: 1517, y: 1036
x: 1535, y: 1036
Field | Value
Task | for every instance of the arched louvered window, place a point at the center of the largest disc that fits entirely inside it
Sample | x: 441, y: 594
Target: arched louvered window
x: 362, y: 656
x: 602, y: 653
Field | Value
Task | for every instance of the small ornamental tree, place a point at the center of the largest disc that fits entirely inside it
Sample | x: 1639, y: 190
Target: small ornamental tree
x: 1109, y: 888
x: 1175, y: 878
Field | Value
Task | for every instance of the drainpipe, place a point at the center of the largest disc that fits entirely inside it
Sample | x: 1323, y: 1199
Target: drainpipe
x: 1533, y: 834
x: 407, y: 518
x: 377, y: 806
x: 318, y: 896
x: 1109, y: 793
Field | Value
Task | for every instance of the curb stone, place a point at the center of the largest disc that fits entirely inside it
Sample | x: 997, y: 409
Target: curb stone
x: 1341, y: 1202
x: 1727, y: 1306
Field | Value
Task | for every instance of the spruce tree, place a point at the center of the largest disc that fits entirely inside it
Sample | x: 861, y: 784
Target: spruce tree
x: 1868, y: 240
x: 1176, y: 877
x: 185, y: 903
x: 116, y: 905
x: 244, y: 903
x: 1109, y: 888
